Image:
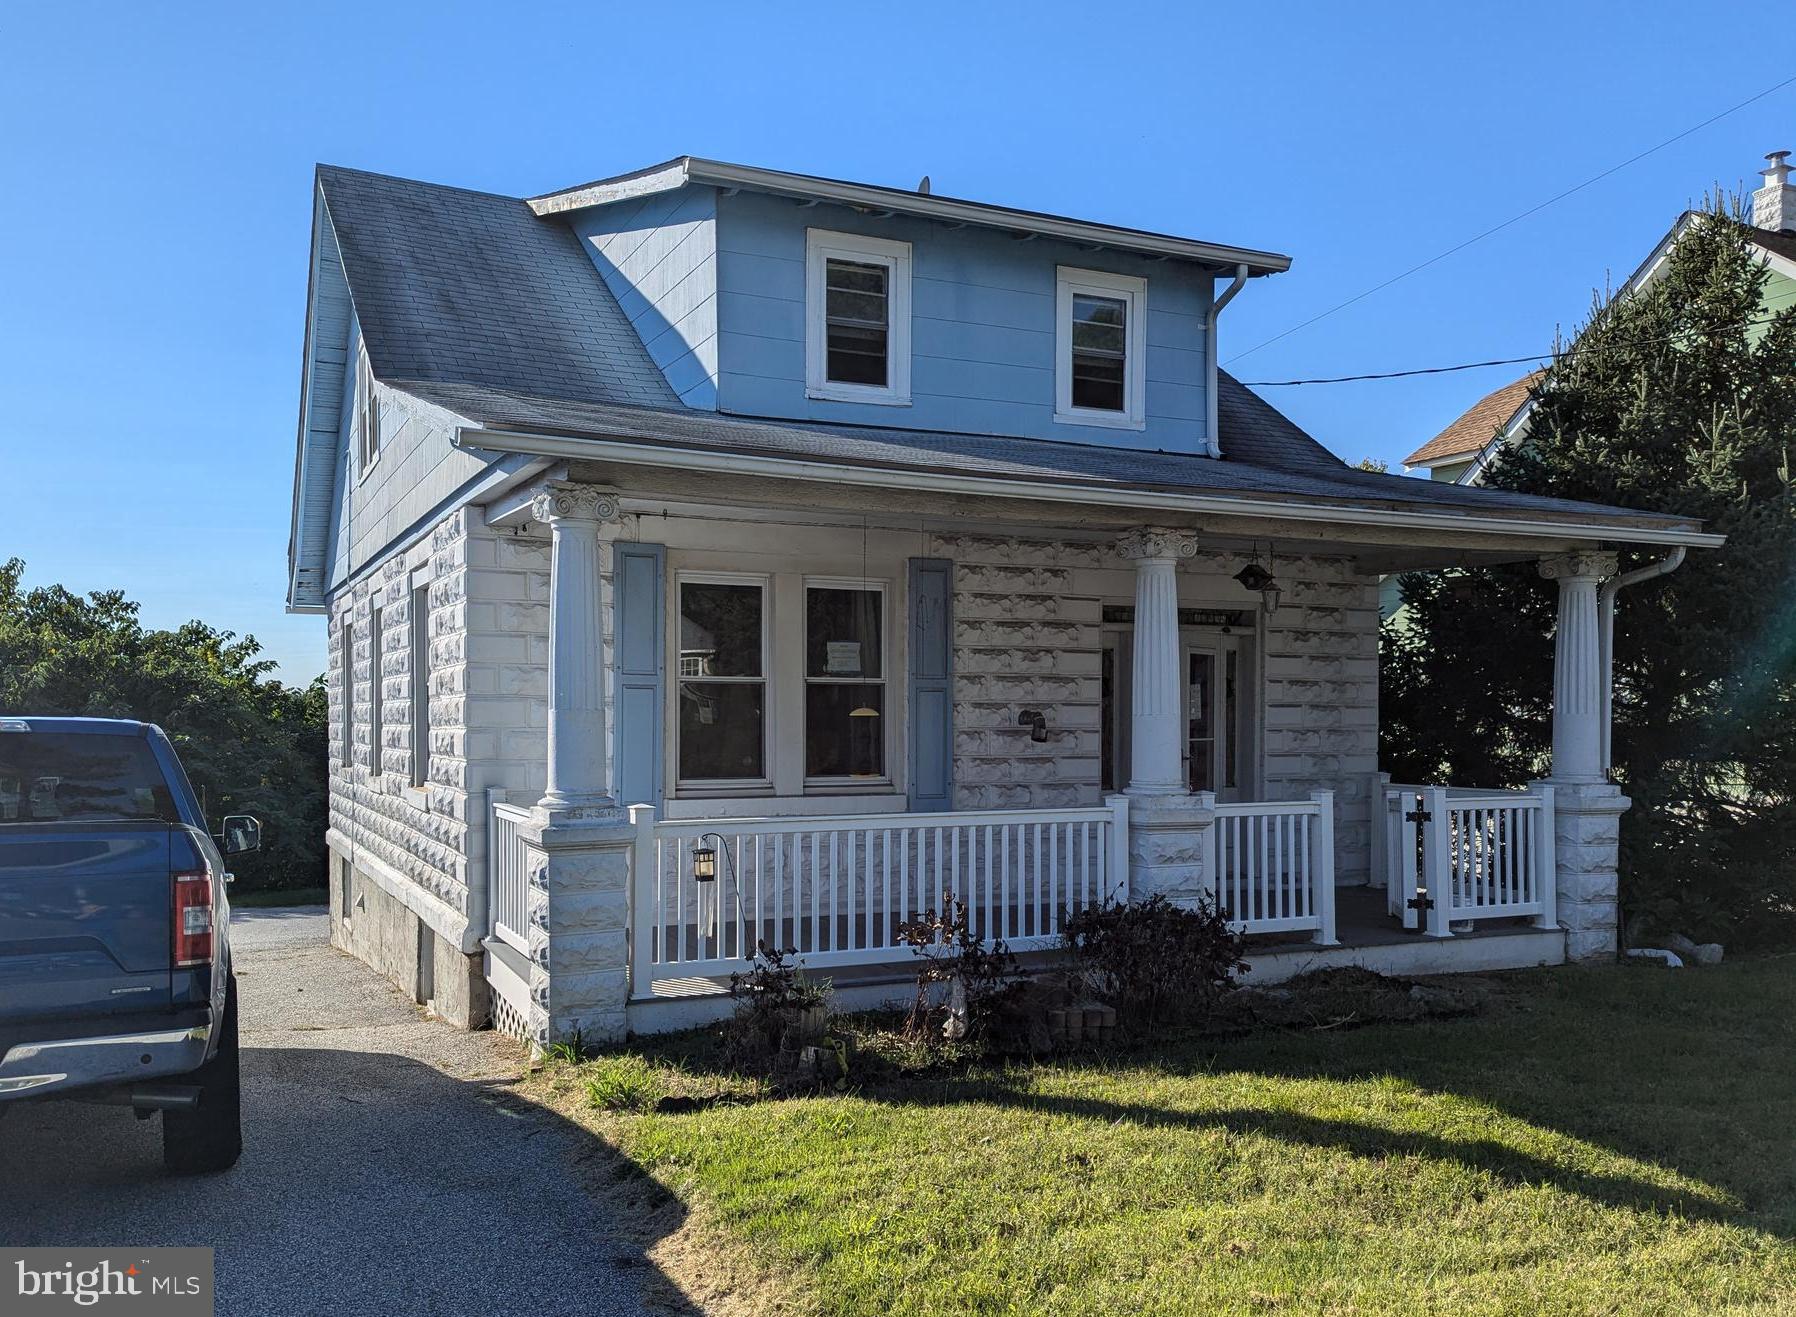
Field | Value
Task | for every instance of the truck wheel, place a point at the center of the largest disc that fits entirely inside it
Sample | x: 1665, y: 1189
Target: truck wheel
x: 210, y: 1137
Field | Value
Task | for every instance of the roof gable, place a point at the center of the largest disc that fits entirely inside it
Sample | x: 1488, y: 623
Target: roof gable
x: 1477, y: 425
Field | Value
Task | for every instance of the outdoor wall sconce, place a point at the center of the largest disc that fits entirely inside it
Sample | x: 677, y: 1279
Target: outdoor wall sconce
x: 1255, y: 577
x: 1036, y: 721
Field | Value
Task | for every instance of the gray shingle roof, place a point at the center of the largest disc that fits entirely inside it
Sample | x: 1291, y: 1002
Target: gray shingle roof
x: 470, y: 301
x: 471, y: 288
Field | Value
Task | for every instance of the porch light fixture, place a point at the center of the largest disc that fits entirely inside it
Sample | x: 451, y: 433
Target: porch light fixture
x: 1255, y: 577
x: 704, y: 864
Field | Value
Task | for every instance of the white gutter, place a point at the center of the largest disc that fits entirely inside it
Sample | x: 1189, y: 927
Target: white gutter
x: 1605, y: 602
x: 630, y: 453
x: 1214, y: 438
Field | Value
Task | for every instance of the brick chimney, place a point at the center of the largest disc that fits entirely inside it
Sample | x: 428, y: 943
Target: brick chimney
x: 1774, y: 205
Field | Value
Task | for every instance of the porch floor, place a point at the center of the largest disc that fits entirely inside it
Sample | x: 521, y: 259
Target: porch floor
x: 1370, y: 939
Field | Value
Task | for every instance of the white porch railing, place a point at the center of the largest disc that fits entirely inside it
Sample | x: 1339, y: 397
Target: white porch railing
x: 1465, y: 854
x: 837, y: 888
x: 1274, y: 865
x: 508, y: 874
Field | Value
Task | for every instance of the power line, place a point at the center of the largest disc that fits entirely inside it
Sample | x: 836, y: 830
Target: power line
x: 1572, y: 350
x: 1515, y: 219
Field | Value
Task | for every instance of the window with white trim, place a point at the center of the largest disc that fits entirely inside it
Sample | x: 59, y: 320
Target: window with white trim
x: 367, y: 414
x: 857, y: 318
x: 844, y: 681
x: 347, y: 686
x: 722, y: 666
x: 1100, y: 344
x: 420, y: 685
x: 374, y: 692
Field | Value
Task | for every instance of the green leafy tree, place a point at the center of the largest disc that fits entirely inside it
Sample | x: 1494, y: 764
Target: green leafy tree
x: 249, y: 743
x: 1680, y: 398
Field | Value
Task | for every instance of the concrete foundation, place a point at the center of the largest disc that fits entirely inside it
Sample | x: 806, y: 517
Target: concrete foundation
x: 379, y: 930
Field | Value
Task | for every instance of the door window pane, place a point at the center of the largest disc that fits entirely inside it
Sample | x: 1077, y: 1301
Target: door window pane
x: 1200, y: 695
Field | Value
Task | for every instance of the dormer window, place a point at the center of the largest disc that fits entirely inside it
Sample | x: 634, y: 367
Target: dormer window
x: 367, y: 415
x: 1100, y: 348
x: 857, y: 318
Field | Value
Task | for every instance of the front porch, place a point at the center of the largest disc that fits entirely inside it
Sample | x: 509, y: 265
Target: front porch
x: 1032, y: 723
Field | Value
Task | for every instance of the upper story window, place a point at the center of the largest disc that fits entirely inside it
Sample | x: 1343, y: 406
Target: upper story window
x: 857, y: 318
x: 1100, y: 346
x: 367, y: 414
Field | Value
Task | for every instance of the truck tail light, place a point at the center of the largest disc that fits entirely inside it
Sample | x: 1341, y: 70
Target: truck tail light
x: 193, y: 919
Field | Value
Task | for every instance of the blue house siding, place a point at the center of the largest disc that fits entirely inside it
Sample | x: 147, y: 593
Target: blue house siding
x: 982, y: 327
x: 658, y: 254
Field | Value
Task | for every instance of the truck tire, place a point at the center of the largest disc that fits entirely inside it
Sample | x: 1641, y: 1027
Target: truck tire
x: 210, y: 1137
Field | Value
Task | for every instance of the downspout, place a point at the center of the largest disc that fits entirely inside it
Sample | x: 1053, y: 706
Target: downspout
x: 1605, y: 602
x: 1214, y: 439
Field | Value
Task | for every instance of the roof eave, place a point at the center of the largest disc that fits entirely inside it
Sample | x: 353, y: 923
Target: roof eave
x: 621, y: 449
x: 717, y: 173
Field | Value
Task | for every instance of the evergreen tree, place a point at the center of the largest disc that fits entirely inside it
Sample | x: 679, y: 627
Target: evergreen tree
x: 1680, y: 397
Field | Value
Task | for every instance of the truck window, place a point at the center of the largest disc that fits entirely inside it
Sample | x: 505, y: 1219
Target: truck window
x: 57, y: 777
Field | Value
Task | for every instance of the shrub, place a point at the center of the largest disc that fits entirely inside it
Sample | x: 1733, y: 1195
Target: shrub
x: 777, y: 1007
x: 1156, y: 962
x: 982, y: 980
x: 623, y: 1083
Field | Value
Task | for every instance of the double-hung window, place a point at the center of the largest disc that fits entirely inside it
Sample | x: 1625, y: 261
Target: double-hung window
x: 367, y: 414
x: 722, y: 667
x: 374, y: 691
x: 1100, y: 345
x: 845, y: 681
x: 420, y: 685
x: 857, y: 318
x: 347, y: 685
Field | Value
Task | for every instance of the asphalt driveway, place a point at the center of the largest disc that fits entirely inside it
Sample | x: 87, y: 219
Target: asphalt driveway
x: 385, y: 1169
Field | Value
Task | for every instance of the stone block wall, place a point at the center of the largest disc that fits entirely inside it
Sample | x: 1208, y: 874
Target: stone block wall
x: 1023, y: 639
x: 1321, y: 697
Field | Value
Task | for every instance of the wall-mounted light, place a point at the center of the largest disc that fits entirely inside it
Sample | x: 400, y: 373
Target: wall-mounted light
x: 1036, y: 721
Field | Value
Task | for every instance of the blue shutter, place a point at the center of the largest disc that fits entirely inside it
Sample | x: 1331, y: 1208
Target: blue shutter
x: 641, y: 668
x: 931, y: 684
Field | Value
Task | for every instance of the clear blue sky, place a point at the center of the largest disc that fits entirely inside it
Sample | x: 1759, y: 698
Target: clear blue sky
x: 156, y: 160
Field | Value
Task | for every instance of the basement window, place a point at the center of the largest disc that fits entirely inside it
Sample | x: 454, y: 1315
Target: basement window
x: 857, y: 318
x: 1100, y: 349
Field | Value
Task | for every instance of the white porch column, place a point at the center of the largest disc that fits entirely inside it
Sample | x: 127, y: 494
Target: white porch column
x: 1587, y: 807
x: 576, y: 770
x: 1577, y: 670
x: 1154, y: 721
x: 1169, y: 842
x: 579, y: 842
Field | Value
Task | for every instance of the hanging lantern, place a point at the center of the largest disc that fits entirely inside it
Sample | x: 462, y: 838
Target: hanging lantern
x: 1255, y: 577
x: 863, y: 735
x: 704, y: 864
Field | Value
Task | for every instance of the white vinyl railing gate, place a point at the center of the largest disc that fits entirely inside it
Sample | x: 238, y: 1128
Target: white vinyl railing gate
x: 836, y: 889
x: 1274, y: 865
x: 1452, y: 854
x: 508, y: 874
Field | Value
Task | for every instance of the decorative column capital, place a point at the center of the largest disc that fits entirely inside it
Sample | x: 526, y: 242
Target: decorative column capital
x: 562, y: 500
x: 1586, y: 564
x: 1157, y: 542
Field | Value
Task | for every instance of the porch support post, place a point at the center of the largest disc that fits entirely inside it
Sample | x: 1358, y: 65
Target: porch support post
x: 1154, y: 758
x: 576, y: 778
x: 1587, y: 807
x: 578, y: 841
x: 1168, y: 826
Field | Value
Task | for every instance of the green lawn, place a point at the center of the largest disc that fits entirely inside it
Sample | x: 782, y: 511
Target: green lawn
x: 1611, y: 1140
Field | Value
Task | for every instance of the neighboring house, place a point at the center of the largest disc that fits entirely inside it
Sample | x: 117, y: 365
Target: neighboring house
x: 1464, y: 450
x: 715, y: 555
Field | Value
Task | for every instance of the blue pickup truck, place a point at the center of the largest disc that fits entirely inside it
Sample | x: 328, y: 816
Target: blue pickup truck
x: 115, y: 962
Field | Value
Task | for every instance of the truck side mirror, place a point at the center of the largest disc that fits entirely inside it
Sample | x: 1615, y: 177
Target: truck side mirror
x: 241, y: 834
